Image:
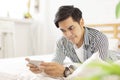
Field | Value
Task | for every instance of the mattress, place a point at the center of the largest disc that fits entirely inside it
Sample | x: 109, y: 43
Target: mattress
x: 16, y: 69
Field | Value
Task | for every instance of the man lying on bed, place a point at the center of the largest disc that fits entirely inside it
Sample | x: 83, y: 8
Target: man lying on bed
x: 78, y: 43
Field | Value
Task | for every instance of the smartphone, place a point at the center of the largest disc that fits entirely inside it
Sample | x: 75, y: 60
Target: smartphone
x: 34, y: 62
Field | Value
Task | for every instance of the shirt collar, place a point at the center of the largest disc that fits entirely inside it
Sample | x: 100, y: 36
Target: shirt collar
x: 86, y: 39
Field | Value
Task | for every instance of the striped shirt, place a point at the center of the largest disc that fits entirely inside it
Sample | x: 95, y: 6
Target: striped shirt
x: 94, y: 41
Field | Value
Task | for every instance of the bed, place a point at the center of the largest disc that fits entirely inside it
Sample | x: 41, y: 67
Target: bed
x: 16, y: 69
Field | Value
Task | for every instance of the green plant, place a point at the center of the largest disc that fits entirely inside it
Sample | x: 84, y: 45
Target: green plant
x: 106, y: 70
x: 118, y: 10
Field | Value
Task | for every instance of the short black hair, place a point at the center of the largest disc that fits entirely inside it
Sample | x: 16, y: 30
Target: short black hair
x: 67, y: 11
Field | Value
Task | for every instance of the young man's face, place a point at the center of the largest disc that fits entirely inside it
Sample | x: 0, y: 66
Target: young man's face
x: 72, y: 30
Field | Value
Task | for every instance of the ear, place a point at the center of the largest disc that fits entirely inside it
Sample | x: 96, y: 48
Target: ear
x: 82, y: 22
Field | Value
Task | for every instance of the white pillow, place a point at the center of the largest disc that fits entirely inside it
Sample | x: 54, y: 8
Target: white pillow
x: 113, y: 44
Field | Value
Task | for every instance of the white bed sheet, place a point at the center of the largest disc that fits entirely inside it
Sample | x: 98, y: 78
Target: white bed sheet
x: 16, y: 69
x: 17, y: 65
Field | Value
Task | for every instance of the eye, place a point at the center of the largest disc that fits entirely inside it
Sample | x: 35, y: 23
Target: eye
x: 62, y: 30
x: 71, y: 27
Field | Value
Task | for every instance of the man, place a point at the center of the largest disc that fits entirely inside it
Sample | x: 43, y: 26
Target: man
x: 78, y: 43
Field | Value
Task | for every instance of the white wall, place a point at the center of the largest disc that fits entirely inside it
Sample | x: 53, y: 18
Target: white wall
x: 94, y: 11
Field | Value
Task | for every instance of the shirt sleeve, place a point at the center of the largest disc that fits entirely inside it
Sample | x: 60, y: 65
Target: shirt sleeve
x: 59, y: 55
x: 103, y: 47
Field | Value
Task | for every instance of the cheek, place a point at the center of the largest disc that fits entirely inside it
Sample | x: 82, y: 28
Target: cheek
x: 78, y: 35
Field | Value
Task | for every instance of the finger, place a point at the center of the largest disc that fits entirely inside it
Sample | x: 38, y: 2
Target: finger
x: 47, y: 63
x: 47, y: 71
x: 31, y: 65
x: 27, y: 59
x: 35, y: 70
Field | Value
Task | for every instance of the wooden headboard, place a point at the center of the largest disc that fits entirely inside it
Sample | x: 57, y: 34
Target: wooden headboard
x: 113, y: 29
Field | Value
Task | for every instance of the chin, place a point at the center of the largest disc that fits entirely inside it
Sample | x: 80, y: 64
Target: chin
x: 73, y: 41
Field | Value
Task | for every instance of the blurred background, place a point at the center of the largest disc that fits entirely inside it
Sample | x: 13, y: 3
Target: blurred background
x: 27, y: 26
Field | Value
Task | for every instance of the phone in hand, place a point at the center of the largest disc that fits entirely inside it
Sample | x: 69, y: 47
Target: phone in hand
x: 34, y: 62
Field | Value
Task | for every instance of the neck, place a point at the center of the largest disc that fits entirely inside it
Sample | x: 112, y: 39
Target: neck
x: 79, y: 44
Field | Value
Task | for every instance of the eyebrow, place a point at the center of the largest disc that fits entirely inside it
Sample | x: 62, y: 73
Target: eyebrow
x: 67, y: 28
x: 62, y: 29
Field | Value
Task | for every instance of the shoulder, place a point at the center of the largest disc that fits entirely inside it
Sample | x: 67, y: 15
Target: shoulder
x: 96, y: 36
x: 94, y: 33
x: 63, y: 42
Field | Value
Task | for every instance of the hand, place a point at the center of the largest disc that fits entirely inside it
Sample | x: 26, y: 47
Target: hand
x: 53, y: 69
x: 33, y: 67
